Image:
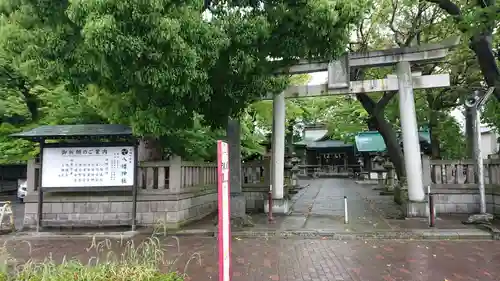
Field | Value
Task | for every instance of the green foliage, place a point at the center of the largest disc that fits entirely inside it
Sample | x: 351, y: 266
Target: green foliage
x: 346, y: 119
x: 37, y: 106
x: 160, y: 66
x: 452, y: 144
x: 405, y: 23
x: 491, y: 113
x: 76, y: 271
x: 134, y: 263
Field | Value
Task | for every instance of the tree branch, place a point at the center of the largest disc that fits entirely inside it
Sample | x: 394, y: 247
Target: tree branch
x: 382, y: 103
x: 480, y: 43
x: 367, y: 103
x: 416, y: 27
x: 451, y: 8
x: 361, y: 27
x: 391, y: 25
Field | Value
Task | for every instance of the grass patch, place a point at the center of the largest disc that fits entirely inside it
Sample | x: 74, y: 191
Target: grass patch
x: 119, y: 261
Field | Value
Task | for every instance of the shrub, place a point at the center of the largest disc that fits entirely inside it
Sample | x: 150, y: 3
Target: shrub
x: 139, y: 263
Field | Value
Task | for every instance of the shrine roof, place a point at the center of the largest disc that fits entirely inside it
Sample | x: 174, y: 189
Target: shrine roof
x: 372, y: 141
x: 76, y: 131
x: 329, y: 144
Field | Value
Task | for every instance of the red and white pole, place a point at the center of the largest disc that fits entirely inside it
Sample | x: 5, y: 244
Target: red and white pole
x: 224, y: 226
x: 270, y: 205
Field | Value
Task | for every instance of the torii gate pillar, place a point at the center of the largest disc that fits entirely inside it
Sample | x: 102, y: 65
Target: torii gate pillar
x: 280, y: 204
x: 411, y: 143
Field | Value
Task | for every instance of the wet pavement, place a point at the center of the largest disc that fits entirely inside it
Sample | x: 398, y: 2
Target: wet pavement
x: 306, y: 260
x: 319, y: 207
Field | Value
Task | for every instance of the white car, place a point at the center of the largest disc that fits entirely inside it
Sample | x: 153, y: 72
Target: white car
x: 22, y: 187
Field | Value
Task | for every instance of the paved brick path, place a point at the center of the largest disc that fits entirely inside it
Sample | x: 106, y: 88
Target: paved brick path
x: 318, y: 207
x: 314, y: 260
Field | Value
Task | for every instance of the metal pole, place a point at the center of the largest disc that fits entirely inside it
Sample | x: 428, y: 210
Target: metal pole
x: 270, y: 204
x: 346, y: 214
x: 432, y: 211
x: 429, y: 202
x: 475, y: 103
x: 479, y: 158
x: 40, y: 190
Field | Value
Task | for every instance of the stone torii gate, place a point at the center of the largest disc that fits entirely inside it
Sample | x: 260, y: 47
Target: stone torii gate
x: 339, y: 84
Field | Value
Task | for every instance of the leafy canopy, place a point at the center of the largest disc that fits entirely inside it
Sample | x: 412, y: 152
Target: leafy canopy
x: 161, y: 66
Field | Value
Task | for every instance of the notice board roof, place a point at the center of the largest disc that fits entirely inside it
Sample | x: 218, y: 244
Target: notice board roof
x: 76, y: 132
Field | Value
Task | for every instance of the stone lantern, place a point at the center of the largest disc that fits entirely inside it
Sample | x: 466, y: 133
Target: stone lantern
x: 288, y: 173
x: 390, y: 177
x: 295, y: 161
x: 379, y: 160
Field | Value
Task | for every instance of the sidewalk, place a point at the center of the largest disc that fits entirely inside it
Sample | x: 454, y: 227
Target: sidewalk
x: 301, y: 259
x: 318, y: 210
x: 280, y: 252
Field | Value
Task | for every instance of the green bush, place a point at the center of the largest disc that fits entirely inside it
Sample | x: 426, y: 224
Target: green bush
x: 141, y: 263
x: 76, y: 271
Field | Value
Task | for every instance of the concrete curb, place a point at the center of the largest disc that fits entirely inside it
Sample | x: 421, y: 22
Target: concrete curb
x: 457, y: 234
x: 62, y: 235
x: 385, y: 235
x: 419, y: 234
x: 495, y: 232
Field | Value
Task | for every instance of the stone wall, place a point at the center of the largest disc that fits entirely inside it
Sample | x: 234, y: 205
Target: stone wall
x: 495, y: 197
x: 171, y: 193
x: 457, y: 201
x: 171, y: 210
x: 455, y: 187
x: 255, y: 197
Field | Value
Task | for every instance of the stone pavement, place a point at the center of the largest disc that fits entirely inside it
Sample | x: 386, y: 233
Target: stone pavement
x: 318, y: 210
x: 321, y: 205
x: 308, y: 260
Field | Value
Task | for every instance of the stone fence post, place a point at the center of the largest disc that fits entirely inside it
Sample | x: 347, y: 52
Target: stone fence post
x: 426, y: 171
x: 266, y: 162
x: 30, y: 176
x: 175, y: 174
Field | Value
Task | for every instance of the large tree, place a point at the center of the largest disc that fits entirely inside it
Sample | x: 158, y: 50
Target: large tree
x: 168, y: 67
x: 401, y: 23
x: 478, y: 22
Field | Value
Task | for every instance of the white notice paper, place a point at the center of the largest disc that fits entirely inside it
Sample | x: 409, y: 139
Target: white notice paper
x: 88, y: 166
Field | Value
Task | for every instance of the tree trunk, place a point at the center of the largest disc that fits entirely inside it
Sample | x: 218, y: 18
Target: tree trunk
x: 469, y: 133
x: 480, y: 43
x: 150, y: 149
x: 482, y: 47
x: 394, y: 150
x: 433, y: 128
x: 372, y: 124
x: 393, y: 146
